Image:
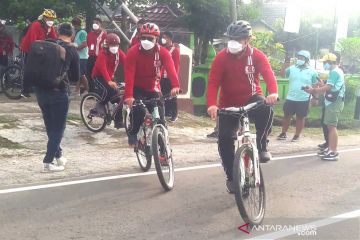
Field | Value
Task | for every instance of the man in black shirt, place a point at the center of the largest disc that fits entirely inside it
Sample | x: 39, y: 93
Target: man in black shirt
x: 54, y: 103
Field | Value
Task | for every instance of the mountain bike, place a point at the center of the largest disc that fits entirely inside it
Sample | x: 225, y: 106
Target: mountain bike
x: 247, y: 175
x: 96, y: 116
x: 12, y: 78
x: 153, y: 141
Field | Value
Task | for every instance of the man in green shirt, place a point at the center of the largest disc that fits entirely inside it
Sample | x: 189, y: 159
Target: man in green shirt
x: 81, y: 46
x: 334, y: 90
x: 297, y: 101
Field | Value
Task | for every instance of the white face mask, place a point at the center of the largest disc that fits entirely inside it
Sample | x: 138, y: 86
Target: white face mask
x: 234, y: 46
x: 147, y: 45
x: 114, y: 50
x: 163, y: 41
x: 96, y: 26
x: 50, y: 23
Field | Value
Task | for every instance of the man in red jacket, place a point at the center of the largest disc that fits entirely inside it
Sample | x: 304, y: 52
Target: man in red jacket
x: 143, y: 66
x: 95, y: 40
x: 237, y: 70
x: 6, y: 45
x: 103, y: 74
x: 38, y: 30
x: 135, y: 37
x: 174, y: 49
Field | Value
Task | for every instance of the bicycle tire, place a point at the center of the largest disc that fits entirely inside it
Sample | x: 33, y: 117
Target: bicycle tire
x: 143, y: 155
x: 87, y: 117
x: 252, y: 221
x: 127, y: 123
x: 12, y: 87
x: 161, y: 159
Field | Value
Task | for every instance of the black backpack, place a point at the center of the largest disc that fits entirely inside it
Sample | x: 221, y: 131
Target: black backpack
x: 45, y: 65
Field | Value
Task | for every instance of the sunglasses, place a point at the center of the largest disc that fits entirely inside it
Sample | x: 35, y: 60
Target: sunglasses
x: 147, y: 38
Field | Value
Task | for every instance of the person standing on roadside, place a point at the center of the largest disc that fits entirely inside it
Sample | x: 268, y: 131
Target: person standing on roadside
x: 81, y: 46
x: 334, y: 90
x: 95, y: 40
x: 297, y: 100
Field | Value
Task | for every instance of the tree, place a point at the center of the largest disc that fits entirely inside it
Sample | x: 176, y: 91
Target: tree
x: 250, y: 12
x: 207, y: 19
x: 350, y: 52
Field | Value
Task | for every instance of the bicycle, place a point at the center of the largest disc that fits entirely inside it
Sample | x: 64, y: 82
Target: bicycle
x: 153, y: 141
x: 247, y: 174
x: 96, y: 116
x: 12, y: 78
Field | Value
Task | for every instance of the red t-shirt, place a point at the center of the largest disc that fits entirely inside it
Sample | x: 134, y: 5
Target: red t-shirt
x: 140, y: 70
x: 107, y: 63
x: 238, y: 78
x: 135, y: 40
x: 95, y: 41
x: 37, y: 31
x: 6, y: 44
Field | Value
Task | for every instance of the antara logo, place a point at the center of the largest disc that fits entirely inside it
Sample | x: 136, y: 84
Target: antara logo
x: 244, y: 228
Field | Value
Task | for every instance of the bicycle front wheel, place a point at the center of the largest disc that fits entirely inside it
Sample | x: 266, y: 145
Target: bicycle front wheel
x: 249, y: 195
x: 164, y: 165
x: 11, y: 82
x: 93, y: 120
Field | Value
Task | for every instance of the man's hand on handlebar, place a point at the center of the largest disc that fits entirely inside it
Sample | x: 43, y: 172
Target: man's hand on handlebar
x: 272, y: 98
x: 212, y: 111
x: 129, y: 102
x: 175, y: 92
x: 113, y: 84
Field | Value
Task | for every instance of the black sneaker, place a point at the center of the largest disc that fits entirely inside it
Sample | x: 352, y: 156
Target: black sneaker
x: 296, y: 138
x: 264, y: 156
x: 230, y: 187
x: 331, y: 156
x: 213, y: 135
x: 282, y: 136
x: 323, y: 146
x: 323, y: 152
x: 25, y: 95
x: 173, y: 119
x: 118, y: 124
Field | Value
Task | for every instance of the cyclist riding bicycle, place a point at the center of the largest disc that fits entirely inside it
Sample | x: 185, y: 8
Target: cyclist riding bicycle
x: 143, y: 66
x: 237, y: 69
x: 6, y: 45
x: 103, y: 74
x: 41, y: 29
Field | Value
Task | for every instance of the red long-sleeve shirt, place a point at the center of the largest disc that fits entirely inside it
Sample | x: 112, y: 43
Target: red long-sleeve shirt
x: 231, y: 74
x: 140, y: 70
x: 95, y: 41
x: 135, y: 40
x: 175, y: 54
x: 106, y: 64
x: 6, y: 44
x: 37, y: 31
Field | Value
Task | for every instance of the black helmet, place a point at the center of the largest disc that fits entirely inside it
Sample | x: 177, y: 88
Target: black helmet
x: 239, y: 29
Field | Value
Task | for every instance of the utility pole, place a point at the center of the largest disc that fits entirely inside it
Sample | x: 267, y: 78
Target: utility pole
x: 233, y: 10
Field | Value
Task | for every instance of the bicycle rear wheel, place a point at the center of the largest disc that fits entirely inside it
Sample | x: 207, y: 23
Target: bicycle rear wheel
x: 11, y: 82
x: 250, y: 197
x: 93, y: 120
x: 143, y: 153
x: 164, y: 165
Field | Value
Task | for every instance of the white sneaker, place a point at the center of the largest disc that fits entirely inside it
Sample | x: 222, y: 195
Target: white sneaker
x: 61, y: 161
x: 50, y: 167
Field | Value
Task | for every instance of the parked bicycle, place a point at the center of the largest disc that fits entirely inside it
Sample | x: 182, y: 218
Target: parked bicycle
x: 95, y: 116
x: 12, y: 78
x: 247, y: 175
x: 153, y: 141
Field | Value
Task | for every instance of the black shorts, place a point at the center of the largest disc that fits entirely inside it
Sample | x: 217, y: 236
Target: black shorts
x: 83, y: 67
x: 300, y: 108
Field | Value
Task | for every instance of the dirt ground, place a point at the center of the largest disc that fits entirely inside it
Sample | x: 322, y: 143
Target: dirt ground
x: 23, y: 143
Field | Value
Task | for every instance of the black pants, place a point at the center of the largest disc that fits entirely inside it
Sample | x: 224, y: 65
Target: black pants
x: 54, y: 106
x: 90, y: 66
x: 324, y: 127
x: 4, y: 61
x: 138, y: 112
x: 109, y: 94
x: 171, y: 108
x: 228, y: 126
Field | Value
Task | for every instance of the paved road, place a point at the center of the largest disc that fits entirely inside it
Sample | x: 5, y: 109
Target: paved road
x: 299, y: 190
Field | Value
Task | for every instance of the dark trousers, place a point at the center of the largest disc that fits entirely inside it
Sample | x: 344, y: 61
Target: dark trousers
x: 324, y: 127
x: 4, y: 61
x: 138, y: 113
x: 54, y: 106
x: 228, y: 126
x: 90, y: 66
x: 109, y: 94
x: 171, y: 108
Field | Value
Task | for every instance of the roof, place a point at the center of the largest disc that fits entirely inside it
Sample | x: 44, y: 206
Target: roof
x: 262, y: 22
x: 162, y: 15
x: 273, y: 11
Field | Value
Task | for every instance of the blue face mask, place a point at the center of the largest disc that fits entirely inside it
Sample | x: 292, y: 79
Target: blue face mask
x: 327, y: 66
x: 300, y: 62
